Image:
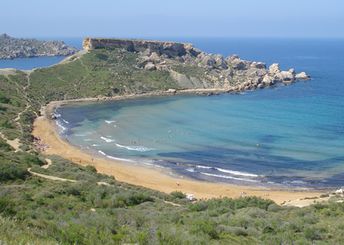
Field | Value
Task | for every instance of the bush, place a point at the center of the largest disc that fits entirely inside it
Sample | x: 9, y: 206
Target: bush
x: 4, y: 146
x: 178, y: 195
x: 90, y: 168
x: 138, y: 198
x: 31, y: 159
x: 312, y: 233
x: 4, y: 99
x: 6, y: 207
x: 207, y: 227
x: 12, y: 171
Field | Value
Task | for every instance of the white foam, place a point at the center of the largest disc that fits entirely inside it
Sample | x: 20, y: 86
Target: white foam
x: 61, y: 126
x: 109, y: 121
x: 114, y: 158
x: 233, y: 172
x: 205, y: 167
x: 227, y: 177
x: 192, y: 170
x: 65, y: 121
x: 135, y: 148
x: 152, y: 165
x: 107, y: 140
x: 83, y: 135
x: 56, y: 115
x: 120, y: 159
x: 95, y: 145
x: 101, y: 152
x: 237, y: 172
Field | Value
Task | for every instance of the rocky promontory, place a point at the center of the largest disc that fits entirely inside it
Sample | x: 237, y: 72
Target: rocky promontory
x: 11, y: 48
x: 193, y: 68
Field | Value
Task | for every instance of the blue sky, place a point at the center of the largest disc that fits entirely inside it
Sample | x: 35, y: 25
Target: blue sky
x: 178, y: 18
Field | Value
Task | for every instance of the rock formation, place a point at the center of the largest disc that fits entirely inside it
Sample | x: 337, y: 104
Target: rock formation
x: 20, y: 48
x: 214, y: 70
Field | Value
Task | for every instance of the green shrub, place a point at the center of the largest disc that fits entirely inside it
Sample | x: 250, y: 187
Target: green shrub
x: 91, y: 169
x: 178, y: 195
x: 4, y: 146
x: 207, y: 227
x: 12, y: 171
x: 4, y: 99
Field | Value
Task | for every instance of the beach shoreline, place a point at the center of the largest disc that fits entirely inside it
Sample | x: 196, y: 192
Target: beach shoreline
x: 45, y: 130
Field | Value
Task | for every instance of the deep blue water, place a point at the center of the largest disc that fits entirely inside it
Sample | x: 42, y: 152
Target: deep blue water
x: 284, y: 136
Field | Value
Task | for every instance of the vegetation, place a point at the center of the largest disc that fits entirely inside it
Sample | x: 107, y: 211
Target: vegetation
x: 99, y: 73
x: 97, y: 209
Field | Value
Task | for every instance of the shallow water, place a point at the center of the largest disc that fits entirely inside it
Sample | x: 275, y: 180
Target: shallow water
x: 284, y: 136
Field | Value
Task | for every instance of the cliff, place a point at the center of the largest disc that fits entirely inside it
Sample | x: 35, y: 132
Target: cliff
x: 170, y: 49
x: 20, y: 48
x: 192, y: 68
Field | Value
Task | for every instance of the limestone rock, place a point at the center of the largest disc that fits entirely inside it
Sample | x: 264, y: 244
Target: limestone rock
x: 220, y: 62
x: 258, y: 65
x: 150, y: 66
x: 302, y: 76
x: 172, y: 91
x: 267, y: 80
x: 274, y: 69
x: 238, y: 64
x: 286, y: 76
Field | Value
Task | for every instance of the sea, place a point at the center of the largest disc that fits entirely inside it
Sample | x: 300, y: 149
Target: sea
x: 284, y: 136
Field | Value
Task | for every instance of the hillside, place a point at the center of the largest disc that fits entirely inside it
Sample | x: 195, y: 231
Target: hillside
x: 50, y: 200
x: 11, y: 48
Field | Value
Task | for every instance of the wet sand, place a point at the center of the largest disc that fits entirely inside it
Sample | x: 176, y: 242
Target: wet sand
x: 45, y: 129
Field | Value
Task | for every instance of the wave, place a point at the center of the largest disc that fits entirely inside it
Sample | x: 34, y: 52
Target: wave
x: 228, y: 177
x: 109, y: 121
x: 237, y: 173
x: 206, y: 167
x: 101, y: 152
x: 94, y: 145
x: 65, y: 121
x: 59, y: 124
x: 152, y: 165
x: 56, y: 114
x: 107, y: 140
x: 83, y: 135
x: 192, y: 170
x: 233, y: 172
x: 114, y: 158
x: 119, y: 159
x: 135, y: 148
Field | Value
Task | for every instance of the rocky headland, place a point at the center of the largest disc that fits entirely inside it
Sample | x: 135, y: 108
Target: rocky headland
x: 11, y: 48
x: 193, y: 68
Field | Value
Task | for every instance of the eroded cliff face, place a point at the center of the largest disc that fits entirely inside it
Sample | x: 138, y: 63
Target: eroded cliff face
x: 192, y: 68
x: 170, y: 49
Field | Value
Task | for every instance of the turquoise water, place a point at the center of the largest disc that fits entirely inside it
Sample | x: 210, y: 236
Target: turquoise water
x: 285, y: 136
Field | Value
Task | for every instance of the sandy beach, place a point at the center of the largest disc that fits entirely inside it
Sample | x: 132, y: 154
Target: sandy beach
x: 45, y: 130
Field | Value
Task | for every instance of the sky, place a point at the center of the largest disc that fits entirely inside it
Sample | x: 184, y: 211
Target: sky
x: 178, y: 18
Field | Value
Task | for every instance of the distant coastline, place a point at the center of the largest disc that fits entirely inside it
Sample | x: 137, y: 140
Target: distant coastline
x: 11, y: 48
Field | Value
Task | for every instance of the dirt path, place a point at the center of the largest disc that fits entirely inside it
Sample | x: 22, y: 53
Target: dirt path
x: 13, y: 143
x: 173, y: 203
x: 50, y: 177
x: 49, y: 162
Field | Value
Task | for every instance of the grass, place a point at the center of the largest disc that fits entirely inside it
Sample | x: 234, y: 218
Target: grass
x: 34, y: 210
